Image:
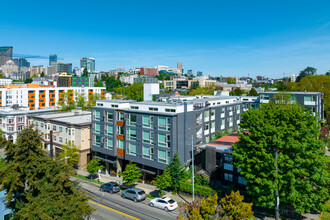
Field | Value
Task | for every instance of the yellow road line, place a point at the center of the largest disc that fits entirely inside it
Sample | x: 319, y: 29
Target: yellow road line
x: 106, y: 207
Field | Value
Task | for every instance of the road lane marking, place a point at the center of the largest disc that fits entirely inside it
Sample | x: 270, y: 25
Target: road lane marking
x: 114, y: 210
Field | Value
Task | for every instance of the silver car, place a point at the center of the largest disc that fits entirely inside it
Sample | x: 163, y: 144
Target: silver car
x: 134, y: 194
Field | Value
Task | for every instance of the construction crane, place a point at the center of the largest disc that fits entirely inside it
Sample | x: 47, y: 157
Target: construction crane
x: 25, y: 56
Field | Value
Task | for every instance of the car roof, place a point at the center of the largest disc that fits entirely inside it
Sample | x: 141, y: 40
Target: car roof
x: 166, y: 198
x: 136, y: 189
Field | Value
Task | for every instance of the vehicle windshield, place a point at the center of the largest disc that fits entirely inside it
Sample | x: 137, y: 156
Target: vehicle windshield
x: 116, y: 184
x: 171, y: 201
x: 141, y: 192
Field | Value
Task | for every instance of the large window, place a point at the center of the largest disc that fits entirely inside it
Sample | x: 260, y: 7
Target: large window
x: 120, y: 130
x: 229, y: 177
x: 148, y: 152
x: 131, y: 149
x: 96, y: 115
x: 148, y: 121
x: 213, y: 125
x: 96, y: 140
x: 120, y: 144
x: 164, y: 123
x: 206, y: 126
x: 20, y: 119
x: 97, y: 128
x: 120, y: 116
x: 309, y: 98
x: 206, y: 115
x: 241, y: 180
x: 54, y: 127
x: 109, y: 143
x: 212, y: 112
x: 131, y: 134
x: 109, y: 116
x: 131, y: 119
x: 164, y: 156
x: 148, y: 137
x: 164, y: 140
x: 109, y: 129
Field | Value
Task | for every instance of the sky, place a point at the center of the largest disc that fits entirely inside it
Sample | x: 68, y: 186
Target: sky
x: 221, y: 38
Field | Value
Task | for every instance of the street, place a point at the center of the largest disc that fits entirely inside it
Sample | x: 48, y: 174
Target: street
x: 112, y: 206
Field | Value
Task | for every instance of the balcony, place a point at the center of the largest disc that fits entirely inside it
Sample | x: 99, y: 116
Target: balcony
x: 309, y: 103
x: 222, y: 127
x: 230, y: 124
x: 121, y: 123
x: 230, y: 113
x: 120, y: 152
x: 120, y: 137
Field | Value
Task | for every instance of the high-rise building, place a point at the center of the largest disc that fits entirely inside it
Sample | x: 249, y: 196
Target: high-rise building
x: 62, y: 67
x: 179, y: 66
x: 190, y: 72
x: 120, y: 69
x: 52, y: 58
x: 6, y: 53
x: 88, y: 63
x: 22, y: 62
x: 199, y: 73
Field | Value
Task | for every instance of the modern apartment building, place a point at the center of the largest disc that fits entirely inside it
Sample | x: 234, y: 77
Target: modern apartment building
x: 88, y: 63
x: 81, y: 81
x: 34, y: 96
x: 14, y: 119
x: 71, y: 126
x: 5, y: 81
x: 150, y: 133
x: 6, y: 53
x: 312, y: 101
x: 62, y: 67
x: 182, y: 83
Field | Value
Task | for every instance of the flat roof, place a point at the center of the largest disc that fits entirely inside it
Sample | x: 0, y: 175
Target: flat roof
x: 311, y: 93
x: 75, y: 120
x: 117, y: 101
x: 55, y: 115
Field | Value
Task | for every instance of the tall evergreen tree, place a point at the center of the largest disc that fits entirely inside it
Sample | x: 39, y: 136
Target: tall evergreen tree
x: 177, y: 172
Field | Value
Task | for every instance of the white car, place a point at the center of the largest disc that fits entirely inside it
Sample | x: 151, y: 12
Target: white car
x: 165, y: 203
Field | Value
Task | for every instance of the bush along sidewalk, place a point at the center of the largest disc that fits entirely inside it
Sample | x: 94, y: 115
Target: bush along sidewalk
x: 186, y: 187
x: 78, y: 176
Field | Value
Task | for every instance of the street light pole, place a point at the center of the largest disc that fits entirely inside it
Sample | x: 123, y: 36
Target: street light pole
x: 277, y: 205
x: 192, y: 167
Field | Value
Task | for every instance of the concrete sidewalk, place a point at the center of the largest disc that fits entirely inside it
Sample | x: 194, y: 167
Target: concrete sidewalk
x: 149, y: 189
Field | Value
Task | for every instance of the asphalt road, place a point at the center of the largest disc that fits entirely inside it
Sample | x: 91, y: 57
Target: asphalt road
x: 112, y: 206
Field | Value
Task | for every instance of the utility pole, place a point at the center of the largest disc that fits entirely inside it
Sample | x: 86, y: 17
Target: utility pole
x: 277, y: 202
x: 192, y: 167
x: 51, y: 143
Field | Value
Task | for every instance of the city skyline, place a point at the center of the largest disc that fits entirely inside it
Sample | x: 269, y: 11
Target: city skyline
x: 219, y: 38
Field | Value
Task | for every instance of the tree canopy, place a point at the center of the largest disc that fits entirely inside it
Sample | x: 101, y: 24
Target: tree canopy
x: 135, y: 91
x: 111, y: 83
x: 237, y: 92
x: 70, y: 154
x: 287, y: 129
x: 93, y: 166
x: 306, y: 72
x: 131, y: 174
x: 177, y: 172
x: 37, y: 186
x: 85, y: 73
x: 253, y: 92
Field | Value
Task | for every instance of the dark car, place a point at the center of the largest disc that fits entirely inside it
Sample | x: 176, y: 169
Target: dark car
x: 134, y: 194
x: 111, y: 187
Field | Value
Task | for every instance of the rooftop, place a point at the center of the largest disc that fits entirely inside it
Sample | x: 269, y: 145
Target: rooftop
x: 306, y: 93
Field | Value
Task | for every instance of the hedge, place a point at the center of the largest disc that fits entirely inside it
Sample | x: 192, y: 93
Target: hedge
x: 199, y: 190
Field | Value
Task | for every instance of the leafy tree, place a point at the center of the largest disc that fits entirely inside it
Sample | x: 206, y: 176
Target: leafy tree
x: 28, y: 80
x: 135, y: 91
x: 231, y: 80
x: 93, y: 166
x: 237, y: 92
x: 219, y: 134
x: 38, y: 187
x: 194, y: 85
x: 42, y: 74
x: 112, y: 83
x: 70, y: 154
x: 2, y: 162
x: 327, y: 73
x: 98, y: 84
x: 85, y: 73
x: 207, y: 90
x: 302, y: 179
x: 235, y: 208
x: 131, y: 174
x: 177, y: 172
x: 306, y: 72
x: 253, y: 92
x: 163, y: 181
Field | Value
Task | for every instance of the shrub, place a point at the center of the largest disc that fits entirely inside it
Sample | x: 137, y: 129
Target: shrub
x: 199, y: 190
x: 113, y: 173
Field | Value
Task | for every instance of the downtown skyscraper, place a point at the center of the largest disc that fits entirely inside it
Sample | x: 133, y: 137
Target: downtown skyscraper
x: 88, y: 63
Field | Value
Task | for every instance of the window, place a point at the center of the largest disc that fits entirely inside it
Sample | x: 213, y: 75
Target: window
x: 223, y: 122
x: 96, y: 140
x: 238, y: 107
x: 153, y: 109
x: 72, y: 131
x: 109, y: 117
x: 20, y: 127
x: 148, y: 152
x: 241, y: 180
x: 109, y: 143
x: 60, y: 139
x: 164, y: 123
x: 114, y: 106
x: 97, y: 115
x: 212, y: 112
x: 309, y: 98
x: 36, y: 124
x: 120, y: 130
x: 148, y: 137
x: 169, y: 110
x: 134, y: 107
x: 229, y: 177
x: 206, y: 126
x: 120, y: 116
x: 54, y: 138
x: 97, y: 128
x: 131, y: 149
x: 54, y: 127
x: 228, y: 160
x: 164, y: 140
x: 131, y: 118
x: 213, y: 125
x: 148, y: 121
x: 131, y: 134
x: 10, y: 128
x: 207, y: 139
x: 60, y: 129
x: 109, y: 130
x: 120, y: 144
x: 206, y: 115
x: 164, y: 156
x: 20, y: 119
x: 42, y: 125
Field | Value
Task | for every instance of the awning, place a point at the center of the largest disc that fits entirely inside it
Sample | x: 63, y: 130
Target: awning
x: 147, y: 171
x: 107, y: 160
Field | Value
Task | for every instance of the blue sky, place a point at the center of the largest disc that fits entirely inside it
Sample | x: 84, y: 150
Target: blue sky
x: 228, y: 38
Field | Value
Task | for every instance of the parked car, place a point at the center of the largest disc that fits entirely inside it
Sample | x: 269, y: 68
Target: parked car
x: 165, y: 203
x: 134, y: 194
x: 111, y: 187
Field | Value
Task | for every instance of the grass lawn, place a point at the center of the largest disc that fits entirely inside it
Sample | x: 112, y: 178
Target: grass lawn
x: 87, y: 179
x: 326, y: 214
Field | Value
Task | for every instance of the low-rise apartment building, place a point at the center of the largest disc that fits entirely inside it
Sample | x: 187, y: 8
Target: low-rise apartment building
x: 71, y: 126
x: 35, y: 96
x: 150, y: 133
x: 182, y: 83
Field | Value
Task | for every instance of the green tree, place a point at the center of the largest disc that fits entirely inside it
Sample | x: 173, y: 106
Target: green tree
x: 306, y: 72
x: 231, y: 80
x: 85, y: 73
x: 235, y: 208
x: 253, y: 92
x: 327, y: 73
x: 112, y: 83
x: 302, y: 179
x: 194, y: 85
x: 28, y: 80
x: 37, y: 186
x: 42, y: 74
x: 98, y: 84
x: 131, y: 174
x: 70, y: 154
x: 135, y: 91
x: 163, y: 181
x: 177, y: 172
x: 93, y: 166
x: 237, y: 92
